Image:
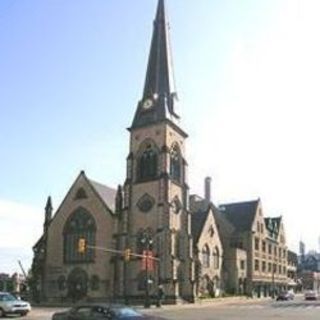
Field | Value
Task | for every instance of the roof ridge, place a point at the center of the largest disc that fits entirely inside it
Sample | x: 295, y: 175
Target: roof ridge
x: 101, y: 184
x: 239, y: 202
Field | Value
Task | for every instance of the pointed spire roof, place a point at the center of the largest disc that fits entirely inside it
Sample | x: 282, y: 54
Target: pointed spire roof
x: 48, y: 204
x: 159, y: 94
x: 48, y: 214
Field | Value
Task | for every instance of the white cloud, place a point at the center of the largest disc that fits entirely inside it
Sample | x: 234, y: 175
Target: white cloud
x: 20, y: 228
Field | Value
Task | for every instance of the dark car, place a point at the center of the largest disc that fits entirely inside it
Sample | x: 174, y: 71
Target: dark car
x: 285, y: 296
x: 100, y: 311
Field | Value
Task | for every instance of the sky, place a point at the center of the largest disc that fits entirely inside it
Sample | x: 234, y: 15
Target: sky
x: 71, y: 75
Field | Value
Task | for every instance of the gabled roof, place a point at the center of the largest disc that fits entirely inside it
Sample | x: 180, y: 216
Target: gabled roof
x: 241, y: 214
x: 106, y: 193
x: 200, y: 210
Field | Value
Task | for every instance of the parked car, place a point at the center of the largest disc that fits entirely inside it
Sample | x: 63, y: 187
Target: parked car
x: 9, y: 304
x: 101, y: 311
x: 285, y: 296
x: 310, y: 295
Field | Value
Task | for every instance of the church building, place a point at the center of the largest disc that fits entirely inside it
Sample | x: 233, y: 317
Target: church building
x: 139, y: 236
x: 105, y: 244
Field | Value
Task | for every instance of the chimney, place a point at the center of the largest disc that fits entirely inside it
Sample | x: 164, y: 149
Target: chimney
x: 207, y: 189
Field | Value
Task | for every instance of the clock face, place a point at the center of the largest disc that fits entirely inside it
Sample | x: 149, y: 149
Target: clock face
x: 147, y: 104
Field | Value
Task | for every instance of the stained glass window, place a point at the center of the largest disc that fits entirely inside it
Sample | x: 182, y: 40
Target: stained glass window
x: 80, y: 225
x: 148, y: 164
x: 175, y: 164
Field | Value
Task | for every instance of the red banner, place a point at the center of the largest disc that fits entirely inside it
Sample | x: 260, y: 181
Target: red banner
x: 147, y: 261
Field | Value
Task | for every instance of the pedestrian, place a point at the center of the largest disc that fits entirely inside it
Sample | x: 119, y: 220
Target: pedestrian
x: 160, y: 296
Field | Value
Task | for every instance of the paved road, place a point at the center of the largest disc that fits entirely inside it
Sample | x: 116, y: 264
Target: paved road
x: 246, y: 310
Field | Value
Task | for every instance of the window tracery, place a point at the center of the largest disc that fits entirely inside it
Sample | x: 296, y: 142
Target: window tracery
x: 148, y: 164
x: 175, y: 163
x: 81, y: 224
x: 206, y: 256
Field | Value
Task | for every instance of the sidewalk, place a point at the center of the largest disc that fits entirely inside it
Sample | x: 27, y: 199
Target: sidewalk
x: 203, y: 303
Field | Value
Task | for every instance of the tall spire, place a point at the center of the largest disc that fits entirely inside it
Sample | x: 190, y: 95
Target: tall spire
x: 159, y: 95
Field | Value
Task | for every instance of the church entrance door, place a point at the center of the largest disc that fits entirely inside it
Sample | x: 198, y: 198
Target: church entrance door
x: 77, y: 284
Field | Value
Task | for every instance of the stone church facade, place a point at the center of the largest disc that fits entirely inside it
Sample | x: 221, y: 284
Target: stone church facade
x: 151, y: 214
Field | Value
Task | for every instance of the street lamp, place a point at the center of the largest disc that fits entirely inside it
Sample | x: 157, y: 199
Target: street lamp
x: 146, y: 242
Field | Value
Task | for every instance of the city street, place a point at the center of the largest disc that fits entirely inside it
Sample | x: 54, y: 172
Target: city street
x: 262, y: 310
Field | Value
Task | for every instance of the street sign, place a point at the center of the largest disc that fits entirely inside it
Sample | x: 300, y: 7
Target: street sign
x: 147, y: 261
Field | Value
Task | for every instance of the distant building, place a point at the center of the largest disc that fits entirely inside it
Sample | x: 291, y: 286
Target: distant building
x: 293, y: 281
x: 310, y: 280
x: 264, y: 242
x: 15, y: 283
x: 309, y: 269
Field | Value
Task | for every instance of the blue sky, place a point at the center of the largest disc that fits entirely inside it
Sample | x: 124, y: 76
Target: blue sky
x: 72, y: 72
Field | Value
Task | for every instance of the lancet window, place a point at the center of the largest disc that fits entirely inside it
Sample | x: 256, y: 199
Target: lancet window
x: 206, y: 256
x: 148, y: 164
x: 80, y: 225
x: 175, y: 164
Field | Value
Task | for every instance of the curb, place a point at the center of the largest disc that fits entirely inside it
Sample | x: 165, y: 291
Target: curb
x: 208, y: 303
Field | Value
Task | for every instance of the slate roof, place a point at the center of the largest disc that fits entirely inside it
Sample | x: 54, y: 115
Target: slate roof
x: 240, y: 214
x: 198, y: 220
x: 106, y: 193
x: 200, y: 209
x: 159, y: 86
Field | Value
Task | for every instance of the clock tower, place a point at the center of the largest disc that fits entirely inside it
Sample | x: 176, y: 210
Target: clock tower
x: 155, y: 216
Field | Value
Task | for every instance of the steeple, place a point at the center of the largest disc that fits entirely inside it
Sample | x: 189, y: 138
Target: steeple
x: 159, y: 95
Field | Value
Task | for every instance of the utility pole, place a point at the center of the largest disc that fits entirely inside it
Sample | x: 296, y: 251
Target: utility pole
x: 126, y: 259
x: 147, y: 241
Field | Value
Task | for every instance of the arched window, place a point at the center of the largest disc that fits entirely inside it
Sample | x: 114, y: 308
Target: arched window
x: 175, y: 163
x: 216, y: 258
x: 80, y: 225
x: 206, y: 257
x: 148, y: 164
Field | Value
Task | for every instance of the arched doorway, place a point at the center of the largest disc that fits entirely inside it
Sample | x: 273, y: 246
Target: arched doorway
x: 77, y: 284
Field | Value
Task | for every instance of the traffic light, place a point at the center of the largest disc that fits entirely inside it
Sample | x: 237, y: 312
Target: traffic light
x: 82, y: 245
x: 127, y: 253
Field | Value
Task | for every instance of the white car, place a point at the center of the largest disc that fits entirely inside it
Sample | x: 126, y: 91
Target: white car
x: 9, y: 304
x: 310, y: 295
